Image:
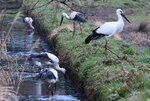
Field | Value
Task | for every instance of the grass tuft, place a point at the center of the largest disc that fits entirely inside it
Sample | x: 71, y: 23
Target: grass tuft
x: 143, y: 27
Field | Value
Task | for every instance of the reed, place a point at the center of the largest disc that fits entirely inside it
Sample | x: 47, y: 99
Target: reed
x: 8, y: 89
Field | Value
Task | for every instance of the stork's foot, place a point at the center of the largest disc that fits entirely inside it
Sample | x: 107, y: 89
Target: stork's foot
x: 108, y: 49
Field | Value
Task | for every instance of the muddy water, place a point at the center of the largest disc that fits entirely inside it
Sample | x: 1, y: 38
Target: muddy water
x: 20, y: 45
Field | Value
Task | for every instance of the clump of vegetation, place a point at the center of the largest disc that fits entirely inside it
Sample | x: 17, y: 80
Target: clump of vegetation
x: 129, y: 51
x: 143, y: 27
x: 7, y: 82
x: 7, y: 90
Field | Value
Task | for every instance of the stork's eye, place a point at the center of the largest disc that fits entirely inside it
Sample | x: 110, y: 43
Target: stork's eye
x: 121, y: 12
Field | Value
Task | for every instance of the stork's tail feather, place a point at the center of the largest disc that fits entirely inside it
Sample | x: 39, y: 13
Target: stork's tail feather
x: 89, y: 38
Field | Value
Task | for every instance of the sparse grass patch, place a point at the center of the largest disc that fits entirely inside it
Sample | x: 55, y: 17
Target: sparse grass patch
x: 138, y: 17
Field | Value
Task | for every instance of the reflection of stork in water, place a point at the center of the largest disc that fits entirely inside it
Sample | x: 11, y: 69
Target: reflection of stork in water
x: 28, y: 40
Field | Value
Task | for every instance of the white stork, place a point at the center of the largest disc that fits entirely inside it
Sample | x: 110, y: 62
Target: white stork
x: 47, y: 58
x: 50, y: 75
x: 108, y: 29
x: 28, y: 21
x: 74, y: 16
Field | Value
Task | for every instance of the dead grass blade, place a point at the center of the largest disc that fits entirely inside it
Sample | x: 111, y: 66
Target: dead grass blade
x: 12, y: 24
x: 2, y: 13
x: 7, y: 90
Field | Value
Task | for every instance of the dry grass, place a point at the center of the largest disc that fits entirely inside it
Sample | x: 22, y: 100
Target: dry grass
x: 7, y: 82
x: 137, y: 33
x: 138, y: 38
x: 2, y: 13
x: 8, y: 92
x: 56, y: 31
x: 12, y: 24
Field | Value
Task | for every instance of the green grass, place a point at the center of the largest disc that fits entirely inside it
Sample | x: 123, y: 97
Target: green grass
x: 139, y: 17
x: 10, y: 14
x: 101, y: 75
x: 89, y: 60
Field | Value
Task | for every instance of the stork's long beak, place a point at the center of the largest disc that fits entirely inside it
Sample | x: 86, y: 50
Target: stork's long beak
x: 62, y: 18
x: 125, y: 17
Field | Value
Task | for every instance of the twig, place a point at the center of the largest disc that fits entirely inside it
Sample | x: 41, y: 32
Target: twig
x: 35, y: 4
x: 2, y: 17
x: 8, y: 33
x: 67, y: 5
x: 40, y: 6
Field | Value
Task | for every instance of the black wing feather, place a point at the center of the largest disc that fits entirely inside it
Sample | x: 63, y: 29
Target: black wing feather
x: 94, y: 36
x: 46, y: 74
x: 80, y: 17
x: 42, y: 56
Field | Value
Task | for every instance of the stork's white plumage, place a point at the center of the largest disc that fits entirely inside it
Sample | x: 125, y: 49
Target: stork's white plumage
x: 29, y: 21
x: 74, y: 16
x: 108, y: 28
x: 48, y: 59
x: 50, y: 75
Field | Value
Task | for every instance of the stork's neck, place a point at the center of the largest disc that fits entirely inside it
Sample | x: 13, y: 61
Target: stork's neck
x: 63, y: 70
x: 31, y: 26
x: 65, y: 15
x: 120, y: 19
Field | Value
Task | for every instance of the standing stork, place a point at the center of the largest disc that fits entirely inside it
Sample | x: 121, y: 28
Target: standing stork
x: 28, y: 21
x: 47, y: 58
x: 108, y: 29
x: 74, y: 16
x: 49, y: 75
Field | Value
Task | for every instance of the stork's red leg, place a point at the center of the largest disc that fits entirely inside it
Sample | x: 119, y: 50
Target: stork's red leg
x: 106, y: 48
x: 113, y: 52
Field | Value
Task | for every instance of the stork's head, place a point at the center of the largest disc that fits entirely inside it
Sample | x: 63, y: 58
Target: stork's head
x: 62, y: 17
x: 120, y: 12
